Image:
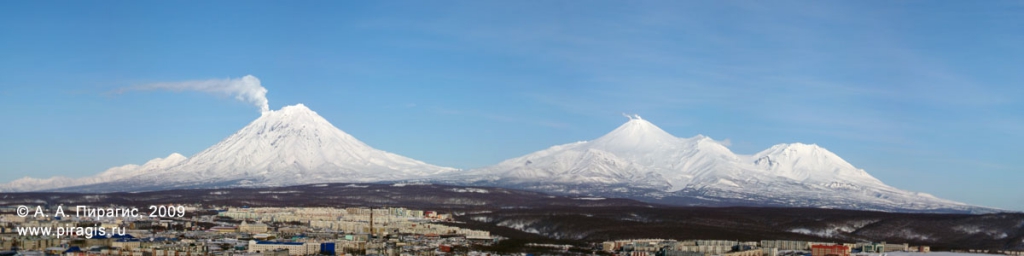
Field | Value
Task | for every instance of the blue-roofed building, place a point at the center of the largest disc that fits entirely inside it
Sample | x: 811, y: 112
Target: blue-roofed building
x: 110, y: 236
x: 73, y: 249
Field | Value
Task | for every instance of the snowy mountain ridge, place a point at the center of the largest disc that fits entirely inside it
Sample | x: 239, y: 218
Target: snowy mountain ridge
x: 640, y: 160
x: 294, y: 145
x: 290, y: 146
x: 112, y: 174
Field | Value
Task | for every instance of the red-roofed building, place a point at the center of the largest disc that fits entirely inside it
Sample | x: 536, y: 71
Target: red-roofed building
x: 830, y: 250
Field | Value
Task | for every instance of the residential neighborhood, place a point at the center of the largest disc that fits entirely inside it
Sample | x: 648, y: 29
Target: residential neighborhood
x: 250, y: 231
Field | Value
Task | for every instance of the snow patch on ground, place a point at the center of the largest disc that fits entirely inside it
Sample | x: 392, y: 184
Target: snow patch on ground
x: 911, y: 235
x: 521, y: 225
x: 968, y: 229
x: 728, y: 183
x: 469, y: 190
x: 280, y: 192
x: 818, y: 233
x: 853, y: 226
x: 403, y: 184
x: 971, y: 229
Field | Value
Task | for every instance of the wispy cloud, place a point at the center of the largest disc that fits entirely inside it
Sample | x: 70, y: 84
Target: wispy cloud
x: 246, y: 89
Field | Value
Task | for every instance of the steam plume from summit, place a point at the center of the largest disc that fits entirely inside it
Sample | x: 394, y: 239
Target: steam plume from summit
x: 246, y: 89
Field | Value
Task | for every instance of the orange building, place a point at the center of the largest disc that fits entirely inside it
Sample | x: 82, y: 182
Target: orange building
x: 830, y: 250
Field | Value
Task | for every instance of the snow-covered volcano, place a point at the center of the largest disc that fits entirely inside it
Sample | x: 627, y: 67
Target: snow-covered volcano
x: 637, y: 160
x: 642, y: 161
x: 290, y: 146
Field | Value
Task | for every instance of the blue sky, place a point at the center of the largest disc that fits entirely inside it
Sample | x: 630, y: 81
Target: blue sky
x: 924, y: 95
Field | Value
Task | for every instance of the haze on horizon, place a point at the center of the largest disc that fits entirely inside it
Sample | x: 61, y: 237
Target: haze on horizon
x: 925, y: 96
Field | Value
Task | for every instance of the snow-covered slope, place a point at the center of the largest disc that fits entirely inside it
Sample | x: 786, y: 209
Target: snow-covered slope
x: 642, y: 161
x: 112, y: 174
x: 294, y: 145
x: 810, y: 163
x: 637, y: 153
x: 290, y: 146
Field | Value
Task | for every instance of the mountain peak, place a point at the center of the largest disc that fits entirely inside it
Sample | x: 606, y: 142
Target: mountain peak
x: 797, y: 149
x: 634, y: 134
x: 172, y: 159
x: 810, y: 162
x: 297, y: 114
x: 290, y: 109
x: 798, y: 146
x: 295, y: 108
x: 292, y: 145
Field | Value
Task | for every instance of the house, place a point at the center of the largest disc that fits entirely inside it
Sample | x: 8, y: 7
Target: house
x: 292, y: 247
x: 830, y: 250
x: 254, y: 228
